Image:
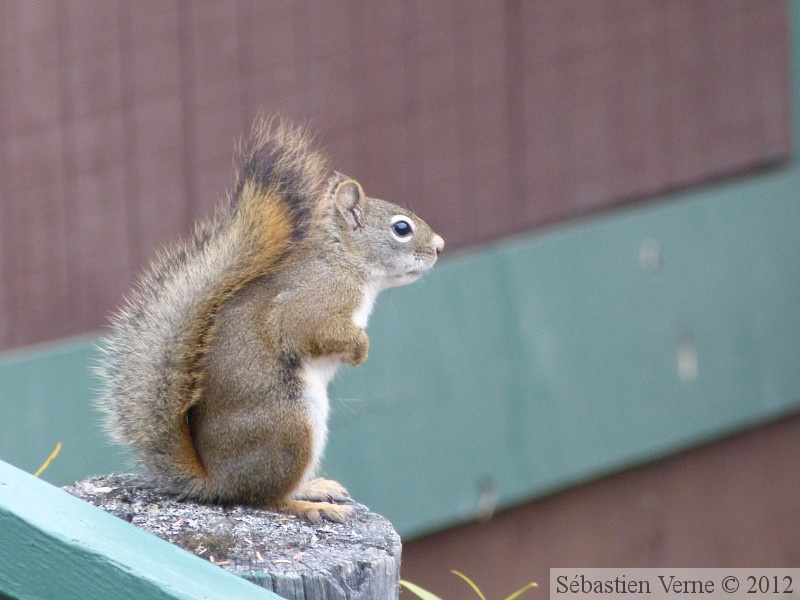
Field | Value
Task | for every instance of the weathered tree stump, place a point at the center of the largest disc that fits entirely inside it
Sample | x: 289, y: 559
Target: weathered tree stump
x: 285, y: 554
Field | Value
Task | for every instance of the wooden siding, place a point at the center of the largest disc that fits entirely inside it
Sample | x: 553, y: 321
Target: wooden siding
x: 118, y: 121
x: 732, y: 503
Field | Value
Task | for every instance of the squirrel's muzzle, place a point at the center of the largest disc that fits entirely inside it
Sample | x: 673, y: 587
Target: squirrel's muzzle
x: 438, y: 244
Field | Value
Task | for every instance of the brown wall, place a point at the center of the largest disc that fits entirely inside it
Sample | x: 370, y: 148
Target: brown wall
x: 118, y: 119
x: 729, y: 504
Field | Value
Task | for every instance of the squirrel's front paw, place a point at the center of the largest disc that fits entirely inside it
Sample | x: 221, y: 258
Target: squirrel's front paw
x: 351, y: 346
x: 360, y: 349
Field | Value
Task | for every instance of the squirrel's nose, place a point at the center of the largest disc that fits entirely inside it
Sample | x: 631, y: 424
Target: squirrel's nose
x: 438, y: 244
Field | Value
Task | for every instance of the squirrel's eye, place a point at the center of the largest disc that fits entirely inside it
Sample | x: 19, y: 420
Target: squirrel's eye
x: 402, y: 229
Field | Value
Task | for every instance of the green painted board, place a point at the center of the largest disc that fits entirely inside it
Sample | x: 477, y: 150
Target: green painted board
x: 55, y: 546
x: 45, y: 396
x: 794, y: 9
x: 522, y: 368
x: 556, y: 358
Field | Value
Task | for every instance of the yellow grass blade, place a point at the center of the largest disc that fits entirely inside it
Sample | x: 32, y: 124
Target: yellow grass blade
x: 471, y: 584
x: 521, y: 591
x: 50, y: 458
x: 424, y: 594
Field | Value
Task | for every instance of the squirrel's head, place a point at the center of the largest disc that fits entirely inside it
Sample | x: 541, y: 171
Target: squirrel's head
x: 394, y: 242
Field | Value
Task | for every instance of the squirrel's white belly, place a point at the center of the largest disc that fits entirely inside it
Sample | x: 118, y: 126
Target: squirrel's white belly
x: 362, y: 313
x: 317, y: 374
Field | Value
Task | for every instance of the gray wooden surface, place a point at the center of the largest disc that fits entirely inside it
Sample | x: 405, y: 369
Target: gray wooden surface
x: 284, y: 554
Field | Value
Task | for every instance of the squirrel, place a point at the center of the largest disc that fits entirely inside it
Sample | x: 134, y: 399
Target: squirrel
x: 216, y: 367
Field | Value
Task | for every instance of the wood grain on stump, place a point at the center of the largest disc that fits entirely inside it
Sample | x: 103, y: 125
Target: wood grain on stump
x: 284, y: 554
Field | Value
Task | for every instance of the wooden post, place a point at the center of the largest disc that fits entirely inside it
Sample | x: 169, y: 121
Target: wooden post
x: 284, y: 554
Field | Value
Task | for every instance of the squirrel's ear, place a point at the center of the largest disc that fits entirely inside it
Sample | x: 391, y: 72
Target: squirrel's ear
x: 348, y: 197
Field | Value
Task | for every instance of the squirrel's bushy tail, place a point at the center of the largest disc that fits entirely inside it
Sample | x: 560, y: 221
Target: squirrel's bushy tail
x: 152, y: 370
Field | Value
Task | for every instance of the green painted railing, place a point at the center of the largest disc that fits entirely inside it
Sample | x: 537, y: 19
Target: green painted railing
x: 55, y: 546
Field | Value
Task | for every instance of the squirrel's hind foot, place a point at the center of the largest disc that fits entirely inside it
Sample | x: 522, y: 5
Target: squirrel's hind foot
x: 316, y: 511
x: 322, y: 490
